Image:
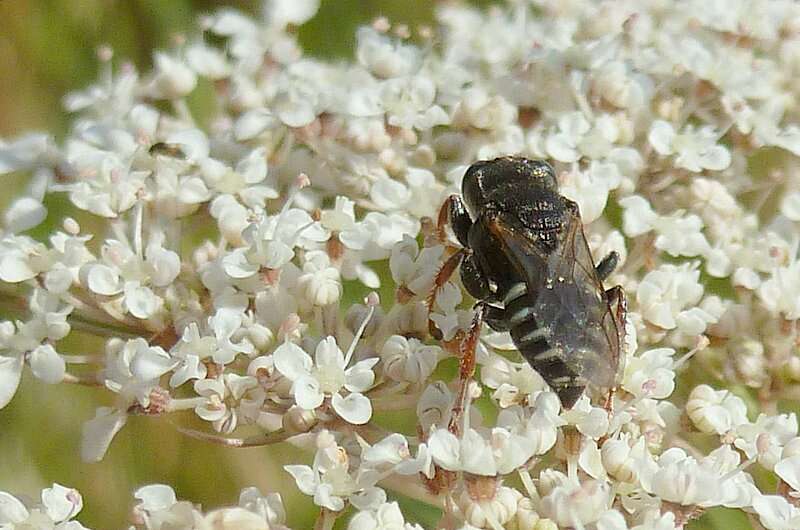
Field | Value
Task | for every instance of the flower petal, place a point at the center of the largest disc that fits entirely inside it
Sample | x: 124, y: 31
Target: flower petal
x: 98, y: 432
x: 102, y: 279
x: 329, y: 354
x: 307, y: 393
x: 307, y: 481
x: 24, y: 214
x: 661, y: 136
x: 10, y: 374
x: 12, y: 510
x: 360, y: 376
x: 292, y: 361
x: 140, y: 300
x: 444, y: 448
x: 156, y: 497
x: 61, y: 503
x: 355, y: 408
x: 47, y: 364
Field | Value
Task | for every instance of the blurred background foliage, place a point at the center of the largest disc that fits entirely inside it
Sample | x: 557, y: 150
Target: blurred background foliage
x: 48, y: 48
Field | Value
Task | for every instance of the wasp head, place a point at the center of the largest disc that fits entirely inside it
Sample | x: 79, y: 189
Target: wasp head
x: 492, y: 181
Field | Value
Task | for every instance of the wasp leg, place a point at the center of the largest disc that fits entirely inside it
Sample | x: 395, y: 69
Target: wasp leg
x: 477, y: 285
x: 454, y: 211
x: 616, y: 296
x: 607, y: 265
x: 617, y: 302
x: 441, y: 278
x: 466, y: 370
x: 474, y: 280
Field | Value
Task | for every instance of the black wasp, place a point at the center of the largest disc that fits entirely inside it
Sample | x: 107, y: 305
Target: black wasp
x: 526, y: 258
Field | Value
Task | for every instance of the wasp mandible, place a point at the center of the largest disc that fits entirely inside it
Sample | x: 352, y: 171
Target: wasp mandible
x: 525, y: 257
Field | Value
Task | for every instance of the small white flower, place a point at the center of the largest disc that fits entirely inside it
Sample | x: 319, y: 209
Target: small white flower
x: 665, y: 292
x: 23, y: 214
x: 446, y: 315
x: 413, y: 268
x: 681, y: 235
x: 573, y: 504
x: 626, y: 462
x: 409, y: 359
x: 590, y: 421
x: 330, y: 481
x: 764, y: 438
x: 47, y: 364
x: 59, y: 505
x: 650, y: 374
x: 269, y: 507
x: 500, y: 509
x: 562, y: 144
x: 320, y: 283
x: 394, y: 452
x: 382, y: 56
x: 696, y: 149
x: 776, y: 513
x: 24, y: 153
x: 226, y: 324
x: 590, y: 188
x: 681, y: 480
x: 386, y: 517
x: 327, y: 375
x: 173, y: 77
x: 638, y: 217
x: 409, y: 103
x: 781, y: 292
x: 715, y: 411
x: 788, y: 469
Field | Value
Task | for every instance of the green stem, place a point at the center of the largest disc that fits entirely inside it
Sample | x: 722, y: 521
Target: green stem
x: 82, y: 380
x: 410, y: 486
x: 254, y: 441
x: 14, y: 304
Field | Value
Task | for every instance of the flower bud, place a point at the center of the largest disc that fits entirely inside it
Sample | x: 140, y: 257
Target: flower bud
x: 749, y: 362
x: 527, y: 518
x: 261, y: 336
x: 615, y: 454
x: 71, y: 226
x: 298, y: 420
x: 500, y: 507
x: 549, y: 479
x: 546, y: 524
x: 715, y: 411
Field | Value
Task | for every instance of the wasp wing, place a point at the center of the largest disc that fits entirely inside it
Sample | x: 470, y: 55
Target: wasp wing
x: 569, y: 297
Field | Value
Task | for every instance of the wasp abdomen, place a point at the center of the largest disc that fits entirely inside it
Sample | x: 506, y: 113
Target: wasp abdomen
x: 533, y: 341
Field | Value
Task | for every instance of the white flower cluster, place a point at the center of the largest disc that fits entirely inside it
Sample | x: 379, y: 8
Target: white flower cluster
x: 231, y: 241
x: 59, y: 505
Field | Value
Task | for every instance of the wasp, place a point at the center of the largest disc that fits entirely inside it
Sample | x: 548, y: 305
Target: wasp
x: 526, y: 259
